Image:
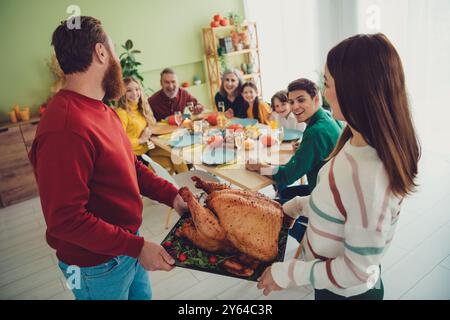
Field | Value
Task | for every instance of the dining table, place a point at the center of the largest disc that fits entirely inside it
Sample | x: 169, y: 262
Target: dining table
x: 233, y: 171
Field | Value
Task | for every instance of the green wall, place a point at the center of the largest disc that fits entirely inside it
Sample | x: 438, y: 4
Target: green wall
x: 168, y: 32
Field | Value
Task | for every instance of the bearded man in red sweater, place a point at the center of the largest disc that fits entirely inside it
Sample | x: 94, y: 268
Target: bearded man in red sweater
x: 90, y: 182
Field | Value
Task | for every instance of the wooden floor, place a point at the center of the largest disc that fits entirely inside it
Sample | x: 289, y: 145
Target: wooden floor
x: 417, y: 265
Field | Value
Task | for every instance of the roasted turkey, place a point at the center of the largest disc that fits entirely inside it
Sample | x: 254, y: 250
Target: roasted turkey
x: 233, y: 221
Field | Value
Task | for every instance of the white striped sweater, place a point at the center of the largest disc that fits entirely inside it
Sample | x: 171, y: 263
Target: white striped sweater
x: 352, y: 219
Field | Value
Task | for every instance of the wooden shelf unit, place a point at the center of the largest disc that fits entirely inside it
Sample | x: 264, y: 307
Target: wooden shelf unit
x: 251, y: 55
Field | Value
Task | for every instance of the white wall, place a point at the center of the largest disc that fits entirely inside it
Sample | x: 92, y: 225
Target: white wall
x: 288, y: 32
x: 296, y: 35
x: 420, y: 31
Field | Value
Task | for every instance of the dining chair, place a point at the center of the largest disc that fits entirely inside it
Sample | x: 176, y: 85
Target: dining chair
x: 179, y: 180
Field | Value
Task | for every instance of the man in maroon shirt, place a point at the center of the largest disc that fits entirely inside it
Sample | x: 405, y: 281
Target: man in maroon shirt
x: 171, y: 98
x: 90, y: 182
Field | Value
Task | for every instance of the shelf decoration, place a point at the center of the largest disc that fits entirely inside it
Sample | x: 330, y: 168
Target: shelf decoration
x: 234, y: 46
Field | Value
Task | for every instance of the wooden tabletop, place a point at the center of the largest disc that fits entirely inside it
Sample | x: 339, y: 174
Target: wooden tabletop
x: 234, y: 172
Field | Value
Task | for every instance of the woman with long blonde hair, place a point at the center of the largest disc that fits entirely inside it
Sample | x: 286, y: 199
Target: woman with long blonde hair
x: 354, y: 209
x: 137, y: 118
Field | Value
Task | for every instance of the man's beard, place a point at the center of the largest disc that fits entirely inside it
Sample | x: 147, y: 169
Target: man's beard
x: 112, y: 81
x: 171, y: 94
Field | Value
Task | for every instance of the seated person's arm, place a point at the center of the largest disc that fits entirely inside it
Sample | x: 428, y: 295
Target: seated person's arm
x: 310, y: 153
x: 138, y: 139
x: 198, y: 108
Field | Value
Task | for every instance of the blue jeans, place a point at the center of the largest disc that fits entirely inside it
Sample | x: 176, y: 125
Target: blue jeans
x: 121, y: 278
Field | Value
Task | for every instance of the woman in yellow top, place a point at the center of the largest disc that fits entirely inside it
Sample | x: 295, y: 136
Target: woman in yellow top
x: 256, y: 109
x: 137, y: 119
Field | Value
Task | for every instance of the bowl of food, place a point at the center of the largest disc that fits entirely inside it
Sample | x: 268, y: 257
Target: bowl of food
x: 252, y: 132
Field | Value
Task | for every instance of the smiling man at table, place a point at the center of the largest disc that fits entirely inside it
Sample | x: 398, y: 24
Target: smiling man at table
x: 319, y: 139
x: 171, y: 98
x: 90, y: 182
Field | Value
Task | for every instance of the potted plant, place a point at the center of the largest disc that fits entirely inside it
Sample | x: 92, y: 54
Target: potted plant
x: 235, y: 19
x: 58, y: 74
x: 130, y: 65
x: 197, y: 80
x: 235, y: 39
x: 128, y: 62
x: 243, y: 35
x: 221, y: 56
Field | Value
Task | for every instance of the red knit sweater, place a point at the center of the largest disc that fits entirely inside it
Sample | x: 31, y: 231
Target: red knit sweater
x: 90, y: 181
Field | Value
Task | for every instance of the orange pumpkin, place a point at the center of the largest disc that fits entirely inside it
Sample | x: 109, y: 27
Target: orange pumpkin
x: 171, y: 120
x: 235, y: 127
x: 212, y: 119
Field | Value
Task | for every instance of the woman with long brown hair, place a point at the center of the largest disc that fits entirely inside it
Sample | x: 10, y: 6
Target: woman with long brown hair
x: 137, y: 118
x: 354, y: 209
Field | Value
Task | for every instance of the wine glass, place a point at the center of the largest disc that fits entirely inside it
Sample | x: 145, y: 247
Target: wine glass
x: 229, y: 136
x: 178, y: 118
x: 239, y: 138
x: 190, y: 106
x: 280, y: 134
x: 187, y: 112
x: 198, y: 127
x: 221, y: 106
x: 205, y: 129
x: 273, y: 124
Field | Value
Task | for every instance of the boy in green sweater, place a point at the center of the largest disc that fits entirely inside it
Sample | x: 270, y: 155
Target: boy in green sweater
x: 319, y: 139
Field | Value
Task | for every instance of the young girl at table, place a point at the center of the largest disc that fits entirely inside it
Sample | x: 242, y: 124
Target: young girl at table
x: 282, y: 113
x: 256, y: 109
x: 137, y: 119
x: 354, y: 208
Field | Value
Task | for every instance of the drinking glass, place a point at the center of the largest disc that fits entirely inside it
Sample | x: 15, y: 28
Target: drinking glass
x: 239, y: 138
x: 280, y: 135
x: 178, y: 118
x: 205, y: 129
x: 190, y: 106
x: 221, y: 106
x: 229, y: 136
x: 198, y: 127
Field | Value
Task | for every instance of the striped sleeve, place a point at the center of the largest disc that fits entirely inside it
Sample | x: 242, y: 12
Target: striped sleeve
x: 364, y: 247
x: 348, y: 241
x: 296, y: 207
x: 357, y: 265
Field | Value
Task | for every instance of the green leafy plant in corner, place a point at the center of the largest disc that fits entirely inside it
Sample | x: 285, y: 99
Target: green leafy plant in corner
x: 221, y: 57
x: 130, y: 65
